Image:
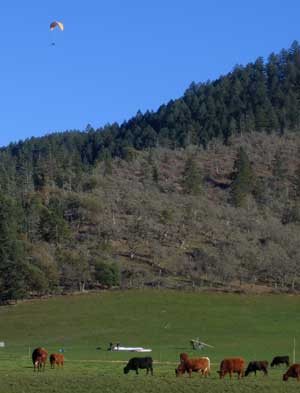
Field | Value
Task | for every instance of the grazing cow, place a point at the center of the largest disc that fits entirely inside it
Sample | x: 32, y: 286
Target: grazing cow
x: 39, y: 358
x: 56, y: 359
x: 136, y: 363
x: 189, y: 365
x: 280, y: 360
x: 257, y: 365
x: 292, y: 372
x: 232, y: 365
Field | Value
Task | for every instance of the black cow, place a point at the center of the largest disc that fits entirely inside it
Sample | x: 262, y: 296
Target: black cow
x: 280, y: 360
x: 257, y: 365
x: 136, y: 363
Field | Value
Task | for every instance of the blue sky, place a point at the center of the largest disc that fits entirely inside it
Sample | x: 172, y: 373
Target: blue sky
x: 117, y: 57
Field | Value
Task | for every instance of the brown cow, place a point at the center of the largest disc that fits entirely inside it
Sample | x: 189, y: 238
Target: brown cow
x: 39, y: 359
x: 189, y: 365
x: 57, y: 359
x: 292, y: 372
x: 232, y: 365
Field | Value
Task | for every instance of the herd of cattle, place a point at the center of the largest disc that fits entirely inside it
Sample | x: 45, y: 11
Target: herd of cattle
x: 186, y: 365
x: 235, y: 365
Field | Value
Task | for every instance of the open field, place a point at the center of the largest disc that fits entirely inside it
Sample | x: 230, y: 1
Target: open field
x: 254, y: 327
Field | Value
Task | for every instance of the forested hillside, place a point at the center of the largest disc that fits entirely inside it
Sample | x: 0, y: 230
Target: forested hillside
x: 203, y: 192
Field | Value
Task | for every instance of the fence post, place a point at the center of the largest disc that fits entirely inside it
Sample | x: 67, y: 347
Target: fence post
x: 294, y: 351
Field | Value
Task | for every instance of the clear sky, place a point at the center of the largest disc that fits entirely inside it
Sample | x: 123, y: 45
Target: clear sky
x: 116, y: 57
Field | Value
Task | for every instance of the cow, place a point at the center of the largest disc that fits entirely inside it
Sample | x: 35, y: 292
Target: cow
x: 189, y: 365
x: 136, y: 363
x: 232, y: 365
x: 292, y: 372
x: 56, y: 359
x: 280, y: 360
x: 257, y: 365
x: 39, y: 359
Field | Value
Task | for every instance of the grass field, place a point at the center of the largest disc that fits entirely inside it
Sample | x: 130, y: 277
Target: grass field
x: 254, y: 327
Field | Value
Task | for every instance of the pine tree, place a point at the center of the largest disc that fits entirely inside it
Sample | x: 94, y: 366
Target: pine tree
x: 192, y: 178
x: 155, y: 176
x: 243, y: 179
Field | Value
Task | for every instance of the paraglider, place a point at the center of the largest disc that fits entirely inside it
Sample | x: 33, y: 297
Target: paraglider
x: 58, y: 25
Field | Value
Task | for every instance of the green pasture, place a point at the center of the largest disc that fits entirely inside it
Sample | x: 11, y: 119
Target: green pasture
x: 254, y: 327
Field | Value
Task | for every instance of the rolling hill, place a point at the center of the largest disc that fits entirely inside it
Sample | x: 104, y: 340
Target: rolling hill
x: 203, y: 193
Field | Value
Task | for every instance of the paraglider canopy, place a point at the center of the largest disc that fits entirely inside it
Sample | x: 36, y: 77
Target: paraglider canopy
x: 55, y: 24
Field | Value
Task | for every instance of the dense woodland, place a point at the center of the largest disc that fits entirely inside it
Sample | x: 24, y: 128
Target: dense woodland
x: 204, y: 192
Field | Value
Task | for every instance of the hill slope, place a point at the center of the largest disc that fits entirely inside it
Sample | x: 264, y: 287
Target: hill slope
x: 205, y: 192
x: 139, y: 223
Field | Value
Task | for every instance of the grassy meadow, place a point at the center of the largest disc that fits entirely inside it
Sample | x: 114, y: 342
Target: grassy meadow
x: 254, y: 327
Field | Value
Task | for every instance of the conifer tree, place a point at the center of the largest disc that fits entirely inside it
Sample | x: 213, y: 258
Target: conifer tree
x: 192, y: 177
x: 155, y: 176
x: 243, y: 179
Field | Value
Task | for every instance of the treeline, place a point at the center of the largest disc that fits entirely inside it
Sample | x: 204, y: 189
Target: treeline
x: 261, y: 96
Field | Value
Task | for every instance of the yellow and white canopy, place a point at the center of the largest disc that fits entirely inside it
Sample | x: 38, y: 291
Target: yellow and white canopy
x: 55, y: 24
